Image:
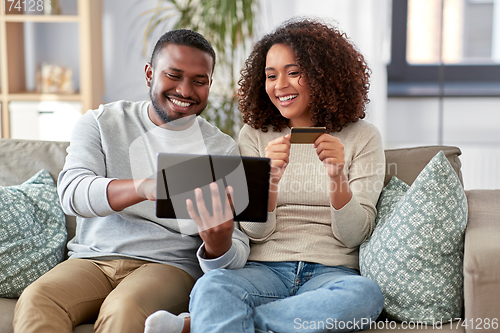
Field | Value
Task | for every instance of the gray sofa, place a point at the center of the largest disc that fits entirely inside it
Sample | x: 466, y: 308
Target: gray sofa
x: 21, y: 159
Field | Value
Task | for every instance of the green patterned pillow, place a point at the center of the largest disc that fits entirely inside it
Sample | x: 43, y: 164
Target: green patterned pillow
x: 32, y: 232
x: 415, y: 253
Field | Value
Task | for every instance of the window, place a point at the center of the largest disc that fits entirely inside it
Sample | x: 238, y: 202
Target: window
x: 445, y: 47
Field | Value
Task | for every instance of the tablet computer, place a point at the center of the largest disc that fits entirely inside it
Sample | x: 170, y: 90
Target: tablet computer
x: 179, y: 174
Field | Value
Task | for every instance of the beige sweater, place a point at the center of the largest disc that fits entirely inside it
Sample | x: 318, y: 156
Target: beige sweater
x: 304, y: 226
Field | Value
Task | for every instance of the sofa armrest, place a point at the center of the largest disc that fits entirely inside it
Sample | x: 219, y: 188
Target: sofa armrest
x: 482, y: 259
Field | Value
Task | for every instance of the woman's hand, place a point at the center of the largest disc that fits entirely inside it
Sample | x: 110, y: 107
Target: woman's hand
x: 216, y: 230
x: 278, y: 151
x: 331, y: 152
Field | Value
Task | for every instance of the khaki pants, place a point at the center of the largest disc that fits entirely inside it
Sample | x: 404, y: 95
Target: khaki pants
x: 121, y: 294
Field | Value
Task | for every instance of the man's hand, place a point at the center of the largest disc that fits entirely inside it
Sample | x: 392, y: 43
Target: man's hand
x: 217, y: 230
x: 146, y: 188
x: 123, y: 193
x: 331, y: 152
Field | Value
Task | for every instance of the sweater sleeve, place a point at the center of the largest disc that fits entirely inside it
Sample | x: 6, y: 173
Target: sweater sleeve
x: 235, y: 258
x: 82, y: 184
x: 354, y: 223
x: 249, y: 144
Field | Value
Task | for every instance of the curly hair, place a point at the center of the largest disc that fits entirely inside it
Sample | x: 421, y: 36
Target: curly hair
x: 337, y: 73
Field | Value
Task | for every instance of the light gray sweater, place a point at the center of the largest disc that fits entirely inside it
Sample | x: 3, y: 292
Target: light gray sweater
x: 304, y: 226
x: 119, y: 141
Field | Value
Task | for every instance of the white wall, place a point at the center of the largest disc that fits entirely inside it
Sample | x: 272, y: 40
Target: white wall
x: 123, y: 28
x: 472, y: 124
x: 365, y: 21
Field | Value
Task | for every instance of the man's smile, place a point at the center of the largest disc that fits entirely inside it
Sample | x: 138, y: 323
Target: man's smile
x: 179, y: 103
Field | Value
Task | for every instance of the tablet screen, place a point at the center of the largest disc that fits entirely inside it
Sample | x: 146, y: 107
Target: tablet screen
x: 179, y: 174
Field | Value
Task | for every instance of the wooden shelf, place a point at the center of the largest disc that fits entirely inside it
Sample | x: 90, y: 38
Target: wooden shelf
x: 28, y: 96
x: 12, y: 58
x: 41, y: 18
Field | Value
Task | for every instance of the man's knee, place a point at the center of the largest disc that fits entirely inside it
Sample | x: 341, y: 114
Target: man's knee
x: 120, y: 305
x: 120, y: 312
x: 37, y: 295
x: 37, y: 308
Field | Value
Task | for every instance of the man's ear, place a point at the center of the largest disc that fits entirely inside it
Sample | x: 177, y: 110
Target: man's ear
x: 148, y: 71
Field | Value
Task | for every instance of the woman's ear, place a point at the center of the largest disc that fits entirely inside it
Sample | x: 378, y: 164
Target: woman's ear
x: 148, y: 71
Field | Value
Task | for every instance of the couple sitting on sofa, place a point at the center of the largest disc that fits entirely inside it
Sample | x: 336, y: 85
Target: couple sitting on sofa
x: 127, y: 265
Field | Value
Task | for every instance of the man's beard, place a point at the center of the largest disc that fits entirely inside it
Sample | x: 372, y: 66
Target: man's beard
x: 165, y: 117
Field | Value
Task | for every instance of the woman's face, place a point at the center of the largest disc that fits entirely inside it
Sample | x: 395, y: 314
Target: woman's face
x: 287, y: 86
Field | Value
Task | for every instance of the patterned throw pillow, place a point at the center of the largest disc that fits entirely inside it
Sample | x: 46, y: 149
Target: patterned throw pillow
x: 32, y: 232
x: 415, y: 253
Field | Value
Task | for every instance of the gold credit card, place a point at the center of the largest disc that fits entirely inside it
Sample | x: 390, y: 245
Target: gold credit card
x: 306, y: 134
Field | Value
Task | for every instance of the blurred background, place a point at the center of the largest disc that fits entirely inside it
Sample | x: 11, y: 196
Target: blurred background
x: 435, y: 65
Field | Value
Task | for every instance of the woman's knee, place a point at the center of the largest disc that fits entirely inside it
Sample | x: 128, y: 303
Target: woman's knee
x: 366, y: 285
x: 356, y: 287
x: 222, y: 285
x: 213, y: 280
x: 370, y: 292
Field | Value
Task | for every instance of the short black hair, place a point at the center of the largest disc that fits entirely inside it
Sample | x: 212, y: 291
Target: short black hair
x: 183, y: 37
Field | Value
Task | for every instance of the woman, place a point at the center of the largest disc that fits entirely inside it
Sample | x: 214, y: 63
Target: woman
x: 302, y: 273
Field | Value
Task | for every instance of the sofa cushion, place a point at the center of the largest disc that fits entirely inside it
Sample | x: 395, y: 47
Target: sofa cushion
x: 415, y: 253
x: 21, y: 159
x: 406, y: 163
x: 32, y: 232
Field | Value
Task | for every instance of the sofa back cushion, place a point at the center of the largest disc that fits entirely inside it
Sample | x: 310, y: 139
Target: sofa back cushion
x: 406, y: 163
x: 21, y: 159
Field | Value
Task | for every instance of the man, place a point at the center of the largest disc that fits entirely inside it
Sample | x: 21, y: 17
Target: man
x: 125, y: 263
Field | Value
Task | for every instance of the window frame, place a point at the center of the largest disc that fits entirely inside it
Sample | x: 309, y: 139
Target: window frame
x: 405, y: 79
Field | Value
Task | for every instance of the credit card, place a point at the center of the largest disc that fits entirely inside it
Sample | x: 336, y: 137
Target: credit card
x: 306, y: 134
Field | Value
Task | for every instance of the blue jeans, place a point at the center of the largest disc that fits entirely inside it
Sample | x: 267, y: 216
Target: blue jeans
x: 284, y: 297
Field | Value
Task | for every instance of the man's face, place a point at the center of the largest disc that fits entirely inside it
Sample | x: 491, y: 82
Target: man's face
x: 179, y: 83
